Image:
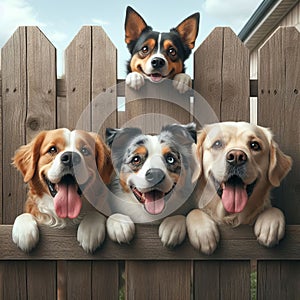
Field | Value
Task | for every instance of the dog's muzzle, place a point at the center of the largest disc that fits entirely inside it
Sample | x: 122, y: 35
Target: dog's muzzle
x: 152, y: 198
x: 233, y: 191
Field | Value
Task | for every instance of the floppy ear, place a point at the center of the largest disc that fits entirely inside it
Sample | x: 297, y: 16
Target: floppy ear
x: 118, y: 139
x: 103, y: 160
x: 199, y: 150
x: 280, y: 164
x: 134, y: 25
x: 188, y: 30
x: 184, y: 134
x: 191, y: 129
x: 27, y: 156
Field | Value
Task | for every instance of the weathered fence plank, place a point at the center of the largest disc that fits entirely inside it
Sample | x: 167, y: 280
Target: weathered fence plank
x: 239, y: 243
x: 105, y: 280
x: 41, y: 83
x: 13, y: 275
x: 41, y: 280
x: 78, y: 61
x: 158, y: 280
x: 14, y: 103
x: 155, y: 105
x: 104, y: 81
x: 29, y: 79
x: 278, y: 280
x: 222, y: 280
x: 279, y: 108
x: 221, y: 75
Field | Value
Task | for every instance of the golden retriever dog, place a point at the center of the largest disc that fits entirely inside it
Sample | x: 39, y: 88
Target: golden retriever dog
x: 240, y: 164
x: 61, y: 167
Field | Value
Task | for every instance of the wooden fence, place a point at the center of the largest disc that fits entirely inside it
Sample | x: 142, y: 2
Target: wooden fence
x: 33, y: 99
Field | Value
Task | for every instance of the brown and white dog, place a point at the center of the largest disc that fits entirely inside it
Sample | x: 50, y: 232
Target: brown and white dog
x: 156, y: 56
x: 155, y: 175
x: 241, y: 163
x: 60, y: 167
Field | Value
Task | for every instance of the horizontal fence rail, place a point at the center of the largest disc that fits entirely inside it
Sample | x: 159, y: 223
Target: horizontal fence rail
x: 34, y: 99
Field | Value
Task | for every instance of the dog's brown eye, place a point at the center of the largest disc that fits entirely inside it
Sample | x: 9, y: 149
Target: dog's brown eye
x: 217, y: 144
x: 136, y: 161
x: 255, y: 146
x: 85, y: 151
x: 52, y: 150
x: 172, y: 51
x: 145, y: 49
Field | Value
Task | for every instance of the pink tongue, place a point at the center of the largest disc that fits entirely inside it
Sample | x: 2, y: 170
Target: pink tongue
x: 67, y: 202
x: 156, y: 77
x: 234, y: 198
x: 154, y: 202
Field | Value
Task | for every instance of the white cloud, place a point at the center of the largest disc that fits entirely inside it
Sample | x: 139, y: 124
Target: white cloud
x: 57, y: 37
x: 99, y: 22
x: 234, y: 13
x: 15, y: 13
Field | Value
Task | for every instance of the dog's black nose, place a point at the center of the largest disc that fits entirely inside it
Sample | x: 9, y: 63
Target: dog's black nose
x: 236, y: 157
x: 157, y: 62
x: 70, y: 159
x: 155, y: 176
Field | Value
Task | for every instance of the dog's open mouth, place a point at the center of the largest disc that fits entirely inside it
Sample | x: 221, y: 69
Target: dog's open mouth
x: 234, y: 193
x: 66, y: 196
x: 156, y: 77
x: 154, y: 200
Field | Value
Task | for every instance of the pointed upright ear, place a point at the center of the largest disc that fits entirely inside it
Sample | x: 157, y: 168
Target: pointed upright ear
x: 188, y: 30
x: 134, y: 25
x: 103, y: 160
x: 280, y: 165
x: 27, y: 156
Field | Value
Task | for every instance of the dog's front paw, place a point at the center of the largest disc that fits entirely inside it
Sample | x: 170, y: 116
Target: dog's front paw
x: 202, y: 231
x: 182, y: 82
x: 91, y: 231
x: 135, y: 80
x: 120, y: 228
x: 25, y: 232
x: 269, y: 227
x: 172, y: 231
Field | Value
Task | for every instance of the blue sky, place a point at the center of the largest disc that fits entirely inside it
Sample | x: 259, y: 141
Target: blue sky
x: 61, y: 20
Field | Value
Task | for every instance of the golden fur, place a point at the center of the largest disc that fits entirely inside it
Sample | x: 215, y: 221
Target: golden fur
x: 265, y: 165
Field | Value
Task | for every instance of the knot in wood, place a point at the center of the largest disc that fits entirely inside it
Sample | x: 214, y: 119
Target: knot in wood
x: 33, y: 124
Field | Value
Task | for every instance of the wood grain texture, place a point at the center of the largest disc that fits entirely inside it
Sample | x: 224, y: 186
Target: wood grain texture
x: 158, y: 280
x: 104, y: 81
x: 13, y: 280
x: 279, y: 108
x: 278, y: 280
x: 221, y: 75
x: 105, y: 280
x: 78, y: 62
x: 79, y: 280
x: 41, y: 280
x: 155, y: 105
x: 239, y: 243
x: 14, y: 105
x: 41, y: 83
